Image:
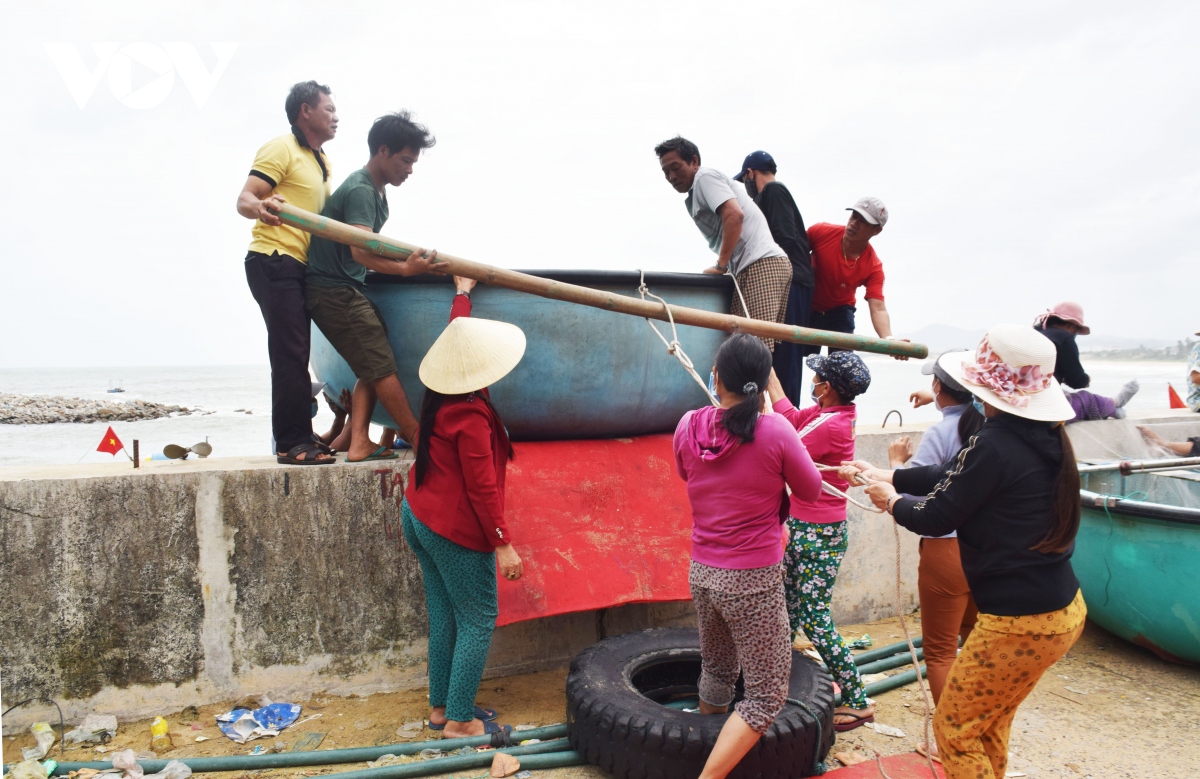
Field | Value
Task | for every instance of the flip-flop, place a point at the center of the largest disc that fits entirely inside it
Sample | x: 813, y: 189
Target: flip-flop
x: 487, y: 715
x: 842, y: 727
x: 924, y: 753
x: 382, y: 453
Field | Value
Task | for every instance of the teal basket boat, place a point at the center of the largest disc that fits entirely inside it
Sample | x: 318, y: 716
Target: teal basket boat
x: 1138, y: 561
x: 586, y: 373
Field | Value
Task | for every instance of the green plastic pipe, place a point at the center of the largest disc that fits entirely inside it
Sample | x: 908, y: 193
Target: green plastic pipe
x: 872, y: 655
x: 888, y: 684
x: 895, y: 661
x: 533, y: 757
x: 316, y: 756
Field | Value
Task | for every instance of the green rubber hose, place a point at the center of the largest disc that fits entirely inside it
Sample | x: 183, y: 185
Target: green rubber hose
x: 552, y: 754
x: 315, y: 757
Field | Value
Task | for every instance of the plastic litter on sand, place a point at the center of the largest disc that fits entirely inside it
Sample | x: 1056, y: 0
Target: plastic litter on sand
x: 885, y: 730
x: 95, y: 727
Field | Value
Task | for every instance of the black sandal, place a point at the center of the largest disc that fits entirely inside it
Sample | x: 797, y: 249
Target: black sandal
x: 311, y: 453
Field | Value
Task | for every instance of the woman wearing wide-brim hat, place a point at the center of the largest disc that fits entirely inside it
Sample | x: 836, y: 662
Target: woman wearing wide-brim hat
x: 1013, y: 496
x: 453, y: 509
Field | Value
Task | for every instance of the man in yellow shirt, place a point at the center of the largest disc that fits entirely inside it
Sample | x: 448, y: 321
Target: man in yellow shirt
x: 292, y: 168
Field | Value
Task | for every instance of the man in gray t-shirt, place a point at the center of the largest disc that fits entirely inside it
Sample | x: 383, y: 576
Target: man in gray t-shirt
x: 735, y: 229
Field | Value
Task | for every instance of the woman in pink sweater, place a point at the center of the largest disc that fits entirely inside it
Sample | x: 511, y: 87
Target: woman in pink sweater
x: 816, y: 529
x: 736, y: 461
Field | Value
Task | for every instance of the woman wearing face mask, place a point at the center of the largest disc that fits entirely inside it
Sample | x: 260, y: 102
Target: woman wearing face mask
x: 816, y: 529
x: 1013, y: 496
x: 736, y: 461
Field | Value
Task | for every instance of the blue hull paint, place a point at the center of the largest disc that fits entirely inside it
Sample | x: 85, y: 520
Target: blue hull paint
x: 587, y: 373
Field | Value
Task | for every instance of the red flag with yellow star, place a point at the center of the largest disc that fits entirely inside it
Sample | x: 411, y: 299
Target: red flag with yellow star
x: 111, y: 444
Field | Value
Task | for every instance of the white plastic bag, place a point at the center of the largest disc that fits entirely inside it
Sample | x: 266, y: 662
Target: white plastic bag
x: 172, y: 770
x: 93, y: 728
x: 126, y: 760
x: 45, y: 739
x: 29, y: 769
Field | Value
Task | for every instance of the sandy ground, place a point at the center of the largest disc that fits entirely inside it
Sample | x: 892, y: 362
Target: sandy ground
x: 1109, y: 709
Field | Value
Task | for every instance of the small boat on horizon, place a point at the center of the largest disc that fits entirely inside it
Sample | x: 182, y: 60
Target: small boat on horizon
x: 115, y: 387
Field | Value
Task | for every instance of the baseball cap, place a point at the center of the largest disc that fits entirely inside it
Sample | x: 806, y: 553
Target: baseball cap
x: 933, y: 368
x: 755, y: 160
x: 872, y: 209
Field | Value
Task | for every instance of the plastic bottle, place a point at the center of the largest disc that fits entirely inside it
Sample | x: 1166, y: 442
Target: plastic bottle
x: 160, y: 740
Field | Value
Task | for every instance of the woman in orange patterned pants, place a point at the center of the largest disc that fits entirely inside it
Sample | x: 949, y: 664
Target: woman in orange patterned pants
x: 1012, y: 495
x: 999, y: 665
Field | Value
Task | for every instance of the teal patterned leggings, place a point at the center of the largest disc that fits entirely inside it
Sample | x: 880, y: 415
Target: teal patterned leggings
x: 460, y: 595
x: 814, y: 554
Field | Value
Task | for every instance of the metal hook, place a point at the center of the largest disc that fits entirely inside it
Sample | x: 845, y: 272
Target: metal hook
x: 889, y: 416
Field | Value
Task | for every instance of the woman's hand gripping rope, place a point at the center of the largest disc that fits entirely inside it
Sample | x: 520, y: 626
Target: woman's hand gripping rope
x: 853, y: 474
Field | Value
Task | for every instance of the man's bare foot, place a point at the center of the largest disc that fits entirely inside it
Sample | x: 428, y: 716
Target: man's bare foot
x: 360, y: 450
x: 463, y: 729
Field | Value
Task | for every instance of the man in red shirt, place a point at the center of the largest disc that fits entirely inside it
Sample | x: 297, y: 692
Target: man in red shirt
x: 844, y: 260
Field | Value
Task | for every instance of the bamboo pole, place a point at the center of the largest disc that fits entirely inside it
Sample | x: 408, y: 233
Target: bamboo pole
x: 571, y: 293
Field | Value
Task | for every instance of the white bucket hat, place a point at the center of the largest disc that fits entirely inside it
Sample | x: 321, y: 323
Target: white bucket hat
x: 1013, y: 370
x: 471, y: 354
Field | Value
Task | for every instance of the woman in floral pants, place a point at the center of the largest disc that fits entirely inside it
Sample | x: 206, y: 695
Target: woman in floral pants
x: 816, y: 530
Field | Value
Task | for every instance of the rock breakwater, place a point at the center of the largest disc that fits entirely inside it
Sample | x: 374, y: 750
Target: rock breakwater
x: 45, y: 410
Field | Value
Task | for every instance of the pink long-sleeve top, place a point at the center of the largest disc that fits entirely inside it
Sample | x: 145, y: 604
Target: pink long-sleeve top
x: 828, y: 435
x: 737, y: 489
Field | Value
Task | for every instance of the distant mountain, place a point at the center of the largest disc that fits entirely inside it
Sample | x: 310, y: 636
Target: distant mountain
x: 1095, y: 342
x: 941, y: 338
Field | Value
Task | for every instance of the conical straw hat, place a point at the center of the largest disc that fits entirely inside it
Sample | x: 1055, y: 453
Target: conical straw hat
x: 471, y: 354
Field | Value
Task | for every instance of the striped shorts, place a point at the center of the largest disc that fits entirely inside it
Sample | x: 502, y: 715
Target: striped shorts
x: 765, y: 286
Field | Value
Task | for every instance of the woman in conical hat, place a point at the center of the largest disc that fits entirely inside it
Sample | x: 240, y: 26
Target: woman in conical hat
x: 453, y: 509
x: 1013, y: 496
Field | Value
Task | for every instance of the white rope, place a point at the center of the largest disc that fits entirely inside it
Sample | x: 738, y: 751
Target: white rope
x: 912, y: 650
x: 738, y: 290
x: 673, y: 346
x: 832, y: 490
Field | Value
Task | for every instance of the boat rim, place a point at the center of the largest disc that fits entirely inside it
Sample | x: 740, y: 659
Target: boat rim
x: 583, y: 278
x: 1112, y: 504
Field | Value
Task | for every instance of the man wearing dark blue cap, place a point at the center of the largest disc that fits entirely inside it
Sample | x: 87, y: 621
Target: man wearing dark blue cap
x: 787, y: 228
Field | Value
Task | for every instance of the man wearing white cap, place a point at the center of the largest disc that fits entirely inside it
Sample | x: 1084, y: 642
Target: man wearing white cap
x: 844, y: 260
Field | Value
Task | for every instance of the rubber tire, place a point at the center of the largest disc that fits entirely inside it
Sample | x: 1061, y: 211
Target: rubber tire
x: 630, y: 736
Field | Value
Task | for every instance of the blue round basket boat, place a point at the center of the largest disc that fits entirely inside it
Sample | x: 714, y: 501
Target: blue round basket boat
x: 587, y: 373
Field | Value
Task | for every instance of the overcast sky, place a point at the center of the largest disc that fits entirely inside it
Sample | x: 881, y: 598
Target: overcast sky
x: 1027, y: 152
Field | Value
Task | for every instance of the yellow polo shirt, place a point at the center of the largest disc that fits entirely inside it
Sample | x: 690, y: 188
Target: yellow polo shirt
x: 297, y: 176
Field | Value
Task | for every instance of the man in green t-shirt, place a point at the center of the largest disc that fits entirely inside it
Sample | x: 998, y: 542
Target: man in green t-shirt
x: 337, y: 276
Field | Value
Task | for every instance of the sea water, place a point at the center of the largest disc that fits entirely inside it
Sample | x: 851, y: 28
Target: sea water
x: 219, y: 391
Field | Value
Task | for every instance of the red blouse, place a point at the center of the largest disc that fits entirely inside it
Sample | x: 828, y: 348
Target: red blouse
x: 462, y: 495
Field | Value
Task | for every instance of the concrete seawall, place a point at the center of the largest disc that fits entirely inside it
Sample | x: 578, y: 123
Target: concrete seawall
x: 137, y: 592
